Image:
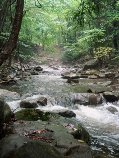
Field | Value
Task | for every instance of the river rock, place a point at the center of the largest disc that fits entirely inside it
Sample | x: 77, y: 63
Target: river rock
x: 87, y: 99
x: 42, y: 101
x: 81, y: 134
x: 110, y: 97
x: 68, y: 114
x: 31, y: 114
x: 112, y: 109
x: 15, y: 146
x: 28, y: 104
x: 38, y: 68
x: 69, y: 75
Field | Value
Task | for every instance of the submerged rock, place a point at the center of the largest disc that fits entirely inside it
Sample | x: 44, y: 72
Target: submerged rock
x: 112, y: 109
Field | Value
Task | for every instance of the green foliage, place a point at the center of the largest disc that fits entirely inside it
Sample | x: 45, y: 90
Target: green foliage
x: 103, y: 54
x: 72, y: 52
x: 92, y: 24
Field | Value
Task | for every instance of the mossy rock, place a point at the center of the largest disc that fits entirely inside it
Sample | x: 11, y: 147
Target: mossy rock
x: 32, y: 115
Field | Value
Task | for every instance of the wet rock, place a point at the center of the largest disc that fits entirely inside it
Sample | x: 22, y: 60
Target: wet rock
x: 87, y: 99
x: 38, y: 68
x: 15, y: 146
x: 28, y: 104
x: 32, y: 115
x: 68, y: 114
x: 112, y: 109
x: 81, y: 134
x: 110, y: 97
x: 42, y: 101
x: 69, y: 75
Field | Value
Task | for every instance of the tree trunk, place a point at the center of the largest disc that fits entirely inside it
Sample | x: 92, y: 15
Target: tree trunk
x: 11, y: 44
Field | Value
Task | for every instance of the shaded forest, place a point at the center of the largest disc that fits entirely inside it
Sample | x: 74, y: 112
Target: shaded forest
x: 81, y: 28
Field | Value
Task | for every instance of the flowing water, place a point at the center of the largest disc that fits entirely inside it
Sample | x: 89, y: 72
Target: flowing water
x: 102, y: 125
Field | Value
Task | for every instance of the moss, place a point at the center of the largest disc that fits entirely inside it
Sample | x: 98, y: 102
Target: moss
x: 32, y: 115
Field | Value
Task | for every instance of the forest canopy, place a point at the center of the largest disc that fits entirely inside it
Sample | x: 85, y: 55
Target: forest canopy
x: 80, y: 27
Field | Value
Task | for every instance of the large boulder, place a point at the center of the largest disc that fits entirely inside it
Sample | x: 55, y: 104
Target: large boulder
x: 15, y: 146
x: 57, y: 132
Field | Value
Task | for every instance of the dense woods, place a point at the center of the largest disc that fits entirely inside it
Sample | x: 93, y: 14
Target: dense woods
x: 80, y: 27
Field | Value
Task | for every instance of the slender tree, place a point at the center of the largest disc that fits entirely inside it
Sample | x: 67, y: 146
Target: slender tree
x: 11, y: 43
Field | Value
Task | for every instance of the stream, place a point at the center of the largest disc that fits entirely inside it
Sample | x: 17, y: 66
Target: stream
x: 102, y: 125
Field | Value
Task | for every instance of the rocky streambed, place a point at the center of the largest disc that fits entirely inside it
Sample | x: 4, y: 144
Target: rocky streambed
x: 67, y: 101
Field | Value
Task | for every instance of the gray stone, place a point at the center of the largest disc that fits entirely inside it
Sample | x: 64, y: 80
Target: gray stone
x: 28, y: 104
x: 42, y: 101
x: 112, y: 109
